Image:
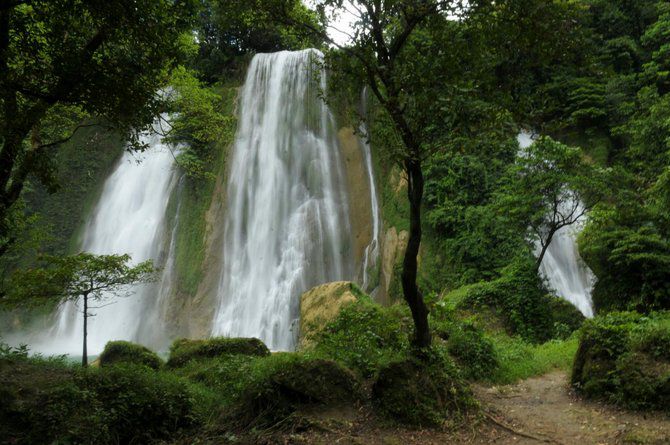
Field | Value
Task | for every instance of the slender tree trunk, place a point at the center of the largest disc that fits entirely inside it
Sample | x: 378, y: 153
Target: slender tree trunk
x: 84, y: 355
x: 411, y: 292
x: 545, y: 246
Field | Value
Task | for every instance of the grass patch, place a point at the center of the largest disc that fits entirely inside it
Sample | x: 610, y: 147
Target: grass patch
x: 518, y: 359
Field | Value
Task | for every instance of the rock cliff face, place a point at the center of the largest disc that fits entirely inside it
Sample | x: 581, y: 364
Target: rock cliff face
x: 360, y: 213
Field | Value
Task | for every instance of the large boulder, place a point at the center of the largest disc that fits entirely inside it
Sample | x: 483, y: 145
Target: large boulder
x: 424, y: 392
x: 117, y: 352
x: 321, y: 305
x: 184, y: 350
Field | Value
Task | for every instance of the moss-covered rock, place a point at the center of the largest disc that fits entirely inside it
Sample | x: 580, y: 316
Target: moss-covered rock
x: 184, y: 350
x: 322, y: 304
x: 365, y: 335
x: 116, y: 352
x: 623, y: 357
x: 276, y: 387
x: 424, y: 392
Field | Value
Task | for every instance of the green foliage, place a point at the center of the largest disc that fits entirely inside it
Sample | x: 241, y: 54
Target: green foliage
x: 518, y: 296
x: 63, y: 60
x: 277, y: 387
x: 227, y: 30
x: 422, y: 392
x: 365, y: 335
x: 123, y: 352
x: 264, y: 392
x: 184, y: 350
x: 48, y: 401
x: 623, y: 357
x: 200, y: 123
x: 70, y: 277
x: 519, y: 360
x: 470, y: 347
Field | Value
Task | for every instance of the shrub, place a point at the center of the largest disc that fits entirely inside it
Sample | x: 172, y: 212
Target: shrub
x: 47, y: 401
x: 141, y: 405
x: 424, y: 392
x: 519, y: 297
x: 623, y: 357
x: 130, y: 353
x: 365, y: 335
x: 184, y: 350
x: 471, y: 348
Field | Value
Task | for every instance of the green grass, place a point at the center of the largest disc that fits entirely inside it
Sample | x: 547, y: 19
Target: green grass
x: 521, y: 360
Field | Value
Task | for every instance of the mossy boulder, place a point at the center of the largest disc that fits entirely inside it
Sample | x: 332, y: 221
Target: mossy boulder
x: 116, y: 352
x: 421, y: 392
x: 275, y: 388
x: 365, y: 335
x: 184, y: 350
x: 623, y: 357
x: 322, y: 304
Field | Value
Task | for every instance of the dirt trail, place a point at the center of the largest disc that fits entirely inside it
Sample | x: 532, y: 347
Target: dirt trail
x: 535, y: 411
x: 546, y: 408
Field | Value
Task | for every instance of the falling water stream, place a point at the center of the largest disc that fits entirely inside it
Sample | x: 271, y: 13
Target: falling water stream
x: 130, y: 217
x: 286, y: 226
x: 371, y: 254
x: 562, y: 266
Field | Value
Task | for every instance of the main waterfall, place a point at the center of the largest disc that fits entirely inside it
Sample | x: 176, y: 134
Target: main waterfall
x: 130, y: 217
x: 286, y: 226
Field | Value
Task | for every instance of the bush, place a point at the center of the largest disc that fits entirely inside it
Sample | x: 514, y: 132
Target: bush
x: 623, y: 357
x: 471, y: 348
x: 365, y: 335
x: 421, y: 393
x: 519, y: 297
x: 184, y: 350
x: 130, y: 353
x: 48, y: 401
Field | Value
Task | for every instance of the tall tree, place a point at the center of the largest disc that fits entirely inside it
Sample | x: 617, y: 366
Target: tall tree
x: 84, y: 278
x: 60, y: 58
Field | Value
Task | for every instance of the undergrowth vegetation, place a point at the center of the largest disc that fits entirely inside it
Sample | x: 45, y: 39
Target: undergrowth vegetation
x: 623, y: 357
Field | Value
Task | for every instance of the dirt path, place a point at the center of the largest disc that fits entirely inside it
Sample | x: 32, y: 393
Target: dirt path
x: 545, y: 407
x: 535, y: 411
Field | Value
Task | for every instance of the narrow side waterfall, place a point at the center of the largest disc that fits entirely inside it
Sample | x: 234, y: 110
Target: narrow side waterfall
x: 371, y: 255
x: 286, y: 227
x: 562, y: 266
x: 129, y: 218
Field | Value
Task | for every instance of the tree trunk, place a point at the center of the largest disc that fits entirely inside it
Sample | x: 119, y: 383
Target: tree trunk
x: 545, y: 246
x: 84, y: 355
x: 411, y: 292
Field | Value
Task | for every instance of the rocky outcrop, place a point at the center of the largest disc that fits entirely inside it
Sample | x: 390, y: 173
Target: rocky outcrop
x: 320, y: 305
x: 394, y: 244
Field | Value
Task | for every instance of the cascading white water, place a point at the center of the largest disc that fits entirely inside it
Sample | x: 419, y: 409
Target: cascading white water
x: 371, y: 254
x: 129, y: 218
x: 562, y: 266
x: 286, y: 226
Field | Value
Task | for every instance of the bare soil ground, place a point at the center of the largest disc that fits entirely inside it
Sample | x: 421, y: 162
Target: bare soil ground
x: 538, y: 410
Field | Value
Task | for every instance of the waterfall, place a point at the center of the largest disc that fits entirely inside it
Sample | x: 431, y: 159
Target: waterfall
x: 130, y: 217
x: 371, y: 254
x: 286, y: 228
x: 562, y: 267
